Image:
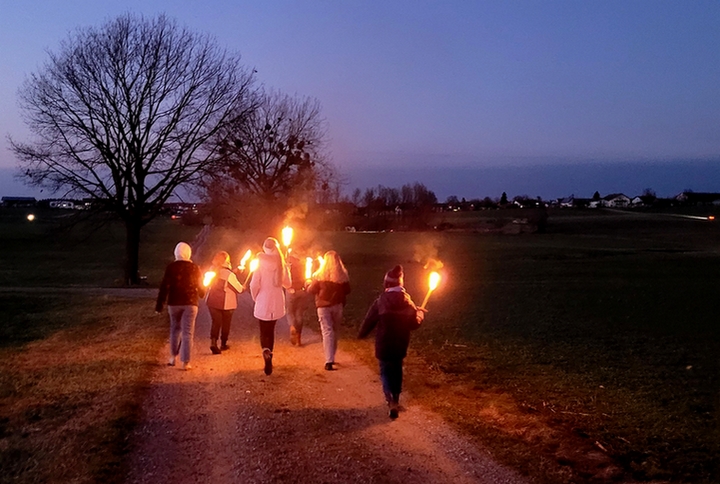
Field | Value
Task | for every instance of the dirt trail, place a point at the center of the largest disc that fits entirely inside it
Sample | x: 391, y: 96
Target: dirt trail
x: 224, y: 421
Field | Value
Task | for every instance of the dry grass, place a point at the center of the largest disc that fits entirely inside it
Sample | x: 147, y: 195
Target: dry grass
x: 69, y: 398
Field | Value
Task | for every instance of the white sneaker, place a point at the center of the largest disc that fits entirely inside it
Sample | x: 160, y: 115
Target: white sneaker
x: 171, y: 361
x: 186, y: 366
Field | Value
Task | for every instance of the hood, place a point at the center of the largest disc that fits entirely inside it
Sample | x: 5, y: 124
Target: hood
x: 183, y: 251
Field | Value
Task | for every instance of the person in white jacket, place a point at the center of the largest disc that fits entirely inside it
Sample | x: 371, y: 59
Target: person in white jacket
x: 222, y: 300
x: 266, y: 288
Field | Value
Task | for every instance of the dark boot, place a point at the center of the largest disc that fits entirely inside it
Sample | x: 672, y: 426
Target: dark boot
x: 267, y: 356
x: 224, y: 346
x: 214, y: 347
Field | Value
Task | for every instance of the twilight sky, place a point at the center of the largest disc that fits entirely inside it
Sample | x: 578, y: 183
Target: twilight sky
x: 470, y: 98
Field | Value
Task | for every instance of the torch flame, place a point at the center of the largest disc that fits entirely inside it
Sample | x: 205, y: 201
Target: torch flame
x: 253, y: 267
x: 321, y: 263
x: 433, y: 280
x: 287, y: 235
x: 244, y: 260
x: 308, y: 267
x: 209, y: 276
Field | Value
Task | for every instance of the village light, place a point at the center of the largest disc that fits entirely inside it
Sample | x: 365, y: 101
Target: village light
x: 433, y: 281
x: 31, y: 217
x: 207, y: 279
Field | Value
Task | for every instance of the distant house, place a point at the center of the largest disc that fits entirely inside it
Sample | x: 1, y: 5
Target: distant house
x: 637, y: 202
x: 67, y: 204
x: 698, y: 198
x: 616, y: 200
x: 572, y: 202
x: 19, y: 201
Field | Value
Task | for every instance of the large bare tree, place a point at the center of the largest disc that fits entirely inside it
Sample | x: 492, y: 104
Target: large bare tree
x: 122, y: 114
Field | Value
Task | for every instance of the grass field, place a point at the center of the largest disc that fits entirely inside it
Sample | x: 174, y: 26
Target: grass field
x: 601, y: 333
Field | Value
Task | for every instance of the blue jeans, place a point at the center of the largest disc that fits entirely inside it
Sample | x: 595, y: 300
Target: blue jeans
x: 330, y: 319
x: 182, y: 330
x: 391, y: 374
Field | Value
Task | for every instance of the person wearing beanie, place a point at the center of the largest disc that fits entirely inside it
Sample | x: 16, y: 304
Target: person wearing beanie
x: 266, y: 289
x: 330, y: 285
x: 222, y: 300
x: 395, y: 315
x: 181, y: 288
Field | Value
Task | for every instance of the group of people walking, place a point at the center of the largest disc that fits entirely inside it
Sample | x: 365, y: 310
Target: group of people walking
x: 278, y: 288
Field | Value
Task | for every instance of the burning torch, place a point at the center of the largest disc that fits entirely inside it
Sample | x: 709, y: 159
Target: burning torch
x: 253, y: 267
x: 433, y: 281
x: 287, y: 235
x: 208, y: 277
x: 244, y: 260
x: 308, y: 268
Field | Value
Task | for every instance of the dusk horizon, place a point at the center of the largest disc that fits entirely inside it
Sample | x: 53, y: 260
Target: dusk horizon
x: 667, y: 178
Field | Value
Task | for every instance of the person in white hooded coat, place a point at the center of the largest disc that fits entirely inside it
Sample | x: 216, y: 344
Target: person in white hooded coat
x: 267, y: 289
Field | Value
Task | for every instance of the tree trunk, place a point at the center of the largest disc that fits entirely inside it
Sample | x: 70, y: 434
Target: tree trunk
x: 132, y: 252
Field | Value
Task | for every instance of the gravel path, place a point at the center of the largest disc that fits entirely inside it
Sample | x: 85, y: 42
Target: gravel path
x: 224, y: 421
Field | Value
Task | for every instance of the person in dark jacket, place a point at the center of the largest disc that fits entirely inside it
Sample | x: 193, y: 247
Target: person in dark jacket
x: 297, y: 299
x: 222, y: 300
x: 181, y: 288
x: 395, y: 315
x: 330, y: 285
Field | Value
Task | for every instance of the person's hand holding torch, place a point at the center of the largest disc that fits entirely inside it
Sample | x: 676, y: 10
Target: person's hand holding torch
x: 433, y: 281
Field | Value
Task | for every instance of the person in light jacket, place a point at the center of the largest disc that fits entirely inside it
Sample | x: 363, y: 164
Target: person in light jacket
x: 222, y: 300
x: 266, y: 287
x: 395, y: 315
x: 181, y: 288
x: 330, y: 285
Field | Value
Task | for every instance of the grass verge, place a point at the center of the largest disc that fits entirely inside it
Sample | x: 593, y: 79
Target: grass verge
x: 73, y: 371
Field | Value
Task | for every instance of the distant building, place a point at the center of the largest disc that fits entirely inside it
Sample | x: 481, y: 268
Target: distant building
x: 19, y: 201
x: 616, y: 200
x: 698, y: 198
x: 67, y: 204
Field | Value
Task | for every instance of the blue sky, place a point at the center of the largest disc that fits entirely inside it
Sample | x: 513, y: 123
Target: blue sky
x: 435, y: 91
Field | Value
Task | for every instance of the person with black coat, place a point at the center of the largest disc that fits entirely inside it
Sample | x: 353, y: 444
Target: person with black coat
x: 395, y: 315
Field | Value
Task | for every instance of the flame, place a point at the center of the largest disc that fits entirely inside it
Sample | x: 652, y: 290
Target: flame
x: 308, y: 267
x: 321, y: 263
x: 209, y: 276
x: 244, y: 260
x: 433, y: 280
x: 254, y: 265
x: 287, y: 235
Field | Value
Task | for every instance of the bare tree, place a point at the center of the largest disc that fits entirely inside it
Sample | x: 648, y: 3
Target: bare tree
x: 277, y: 150
x: 122, y: 115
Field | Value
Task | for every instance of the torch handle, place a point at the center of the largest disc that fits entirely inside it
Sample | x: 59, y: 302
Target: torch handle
x: 425, y: 301
x: 247, y: 279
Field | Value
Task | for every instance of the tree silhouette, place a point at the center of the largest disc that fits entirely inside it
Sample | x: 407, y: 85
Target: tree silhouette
x: 122, y: 115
